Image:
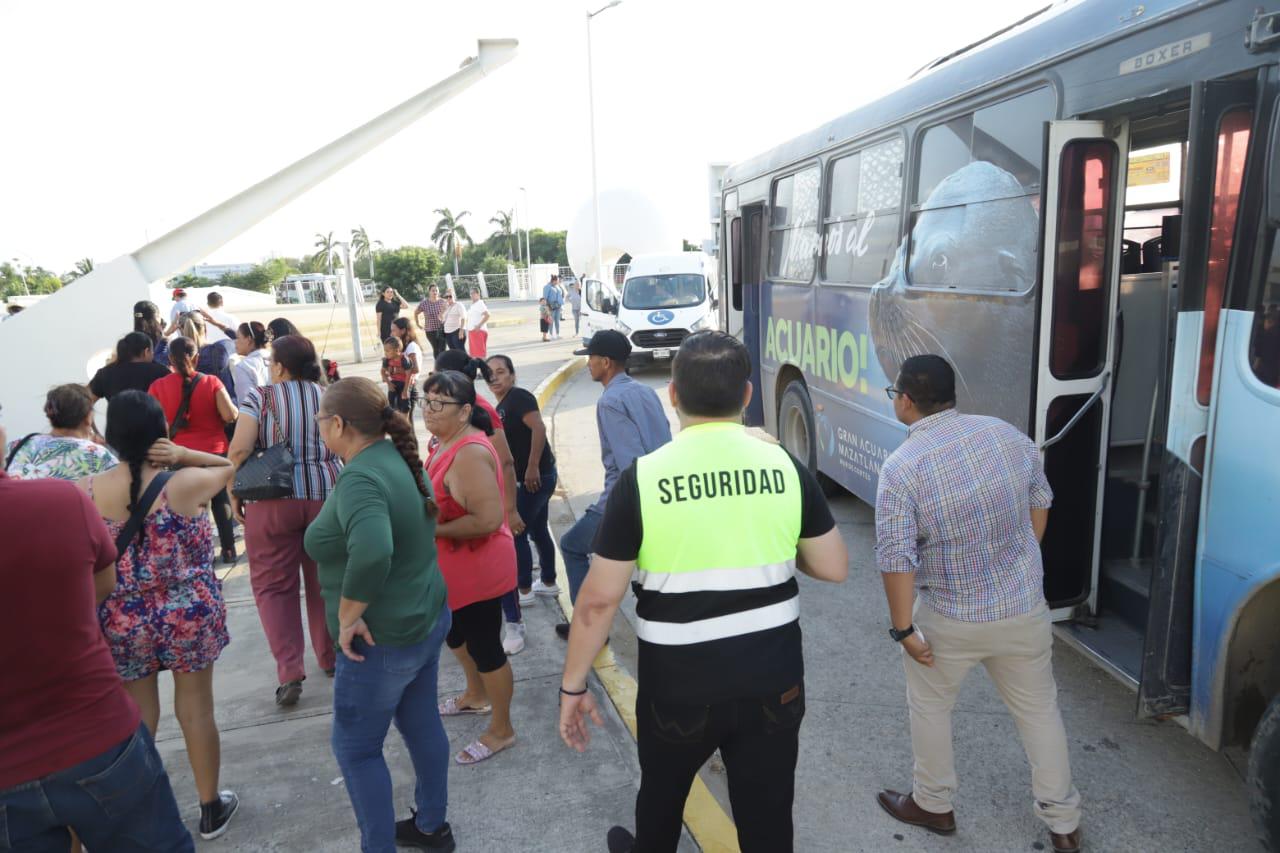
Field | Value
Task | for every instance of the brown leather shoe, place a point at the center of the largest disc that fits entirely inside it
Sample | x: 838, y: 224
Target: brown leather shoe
x: 904, y: 808
x: 1069, y: 843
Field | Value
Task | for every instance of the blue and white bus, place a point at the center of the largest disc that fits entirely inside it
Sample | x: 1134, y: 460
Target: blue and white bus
x: 1082, y: 214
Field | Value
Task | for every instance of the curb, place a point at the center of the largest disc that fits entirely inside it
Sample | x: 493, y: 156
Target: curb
x: 712, y: 829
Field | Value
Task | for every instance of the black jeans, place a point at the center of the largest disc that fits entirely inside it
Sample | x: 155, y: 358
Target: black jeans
x: 435, y: 337
x: 221, y: 507
x: 758, y: 740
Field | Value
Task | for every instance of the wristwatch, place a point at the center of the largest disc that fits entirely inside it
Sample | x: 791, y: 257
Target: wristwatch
x: 899, y: 636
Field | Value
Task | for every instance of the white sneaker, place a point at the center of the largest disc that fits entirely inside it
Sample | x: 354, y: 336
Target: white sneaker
x: 513, y: 639
x: 526, y: 598
x: 540, y: 588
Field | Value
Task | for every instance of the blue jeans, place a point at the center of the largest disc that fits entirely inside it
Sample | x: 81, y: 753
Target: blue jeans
x: 392, y: 682
x: 555, y: 320
x: 533, y: 509
x: 118, y: 801
x: 576, y: 544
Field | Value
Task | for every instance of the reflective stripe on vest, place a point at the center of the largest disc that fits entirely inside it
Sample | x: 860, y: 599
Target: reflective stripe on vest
x: 721, y: 514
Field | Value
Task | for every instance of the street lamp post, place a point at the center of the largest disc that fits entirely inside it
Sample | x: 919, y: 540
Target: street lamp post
x: 591, y: 112
x: 528, y: 252
x: 17, y: 267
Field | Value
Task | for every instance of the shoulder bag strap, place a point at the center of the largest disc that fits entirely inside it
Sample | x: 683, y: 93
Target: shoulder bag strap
x: 22, y: 442
x: 140, y: 510
x: 180, y: 416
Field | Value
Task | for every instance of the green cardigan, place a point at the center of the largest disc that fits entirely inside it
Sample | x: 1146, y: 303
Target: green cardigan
x: 375, y: 543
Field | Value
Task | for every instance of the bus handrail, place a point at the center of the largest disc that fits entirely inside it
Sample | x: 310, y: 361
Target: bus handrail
x: 1106, y: 380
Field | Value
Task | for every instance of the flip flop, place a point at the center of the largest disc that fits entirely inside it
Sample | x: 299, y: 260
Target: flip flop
x: 476, y: 751
x: 451, y: 708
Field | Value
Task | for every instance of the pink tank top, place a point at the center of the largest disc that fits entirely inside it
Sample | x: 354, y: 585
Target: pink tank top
x: 474, y: 569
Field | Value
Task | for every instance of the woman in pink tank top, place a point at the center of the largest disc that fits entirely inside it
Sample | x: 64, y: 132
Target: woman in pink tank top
x: 476, y: 553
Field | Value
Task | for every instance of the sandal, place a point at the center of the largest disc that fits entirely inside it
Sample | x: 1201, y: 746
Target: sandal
x: 476, y: 751
x: 451, y: 708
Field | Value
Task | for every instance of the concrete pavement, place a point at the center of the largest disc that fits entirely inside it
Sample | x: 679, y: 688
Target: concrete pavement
x: 537, y: 796
x: 1146, y: 785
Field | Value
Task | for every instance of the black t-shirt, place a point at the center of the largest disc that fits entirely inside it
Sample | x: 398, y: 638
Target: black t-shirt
x: 760, y: 664
x: 387, y: 312
x: 125, y: 376
x: 621, y: 528
x: 512, y: 410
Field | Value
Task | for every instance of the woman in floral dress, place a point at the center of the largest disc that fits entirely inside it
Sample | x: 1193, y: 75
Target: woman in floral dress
x: 167, y: 610
x: 68, y: 450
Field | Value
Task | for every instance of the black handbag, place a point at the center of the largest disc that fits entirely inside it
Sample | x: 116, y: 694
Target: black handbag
x: 268, y: 472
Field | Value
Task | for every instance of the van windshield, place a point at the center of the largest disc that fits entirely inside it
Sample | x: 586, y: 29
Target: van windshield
x: 664, y: 291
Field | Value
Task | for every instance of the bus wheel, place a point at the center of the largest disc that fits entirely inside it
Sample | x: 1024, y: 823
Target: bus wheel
x: 796, y: 432
x: 1264, y: 777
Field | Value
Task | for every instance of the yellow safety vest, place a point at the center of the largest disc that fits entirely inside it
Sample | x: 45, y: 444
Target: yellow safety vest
x: 721, y: 515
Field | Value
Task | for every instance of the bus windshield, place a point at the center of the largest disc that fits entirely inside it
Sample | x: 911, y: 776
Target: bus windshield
x: 645, y: 292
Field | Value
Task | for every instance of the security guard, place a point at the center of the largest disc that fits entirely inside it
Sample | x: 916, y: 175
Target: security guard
x: 717, y: 522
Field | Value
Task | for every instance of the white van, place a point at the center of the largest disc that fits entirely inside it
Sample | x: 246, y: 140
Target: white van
x: 665, y: 298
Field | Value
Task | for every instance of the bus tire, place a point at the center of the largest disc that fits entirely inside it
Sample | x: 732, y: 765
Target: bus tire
x: 797, y: 434
x: 1264, y: 777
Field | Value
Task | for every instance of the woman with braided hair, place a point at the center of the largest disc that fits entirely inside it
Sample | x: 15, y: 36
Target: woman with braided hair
x: 166, y: 611
x: 385, y: 599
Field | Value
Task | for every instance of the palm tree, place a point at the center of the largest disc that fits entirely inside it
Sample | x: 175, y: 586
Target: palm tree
x: 84, y: 266
x: 450, y: 233
x: 324, y: 251
x: 363, y: 247
x: 503, y: 219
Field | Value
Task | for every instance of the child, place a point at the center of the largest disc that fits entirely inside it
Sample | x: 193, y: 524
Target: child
x: 544, y: 317
x: 398, y: 372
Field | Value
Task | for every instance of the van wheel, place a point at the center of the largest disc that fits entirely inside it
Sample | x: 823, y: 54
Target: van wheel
x: 796, y: 433
x: 1264, y: 777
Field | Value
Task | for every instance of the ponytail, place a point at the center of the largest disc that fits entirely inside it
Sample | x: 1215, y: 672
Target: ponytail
x: 456, y: 359
x: 400, y: 431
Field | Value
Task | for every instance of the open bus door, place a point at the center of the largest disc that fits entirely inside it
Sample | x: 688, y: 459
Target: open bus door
x: 1083, y: 215
x: 745, y: 279
x: 1220, y: 129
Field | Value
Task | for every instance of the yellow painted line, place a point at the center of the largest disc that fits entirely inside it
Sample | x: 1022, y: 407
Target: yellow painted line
x: 710, y: 826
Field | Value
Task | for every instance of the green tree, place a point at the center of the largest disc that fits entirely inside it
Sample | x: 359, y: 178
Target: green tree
x: 17, y: 281
x: 494, y: 265
x: 547, y: 247
x: 263, y: 278
x: 83, y: 267
x: 323, y: 256
x: 504, y: 234
x: 450, y: 234
x: 364, y: 249
x: 409, y: 268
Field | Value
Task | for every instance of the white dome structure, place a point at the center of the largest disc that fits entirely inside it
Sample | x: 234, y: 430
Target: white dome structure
x: 631, y: 223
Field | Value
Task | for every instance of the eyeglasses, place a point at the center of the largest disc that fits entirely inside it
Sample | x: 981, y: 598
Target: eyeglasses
x: 438, y: 405
x: 323, y: 418
x: 893, y: 391
x: 448, y: 296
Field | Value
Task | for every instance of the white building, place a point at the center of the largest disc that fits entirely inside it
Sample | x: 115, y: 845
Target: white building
x: 214, y: 272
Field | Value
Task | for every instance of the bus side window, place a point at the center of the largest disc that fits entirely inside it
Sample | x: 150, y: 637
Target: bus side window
x: 1264, y: 346
x: 793, y: 237
x: 860, y: 231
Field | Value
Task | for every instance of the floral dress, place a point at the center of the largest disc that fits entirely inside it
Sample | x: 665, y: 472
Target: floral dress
x: 167, y: 610
x: 58, y: 457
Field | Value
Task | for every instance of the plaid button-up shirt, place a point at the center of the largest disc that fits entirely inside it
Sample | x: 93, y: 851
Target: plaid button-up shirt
x: 433, y: 314
x: 954, y: 506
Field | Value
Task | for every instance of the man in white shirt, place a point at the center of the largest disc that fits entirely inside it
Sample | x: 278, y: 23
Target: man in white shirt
x: 477, y: 326
x: 220, y: 319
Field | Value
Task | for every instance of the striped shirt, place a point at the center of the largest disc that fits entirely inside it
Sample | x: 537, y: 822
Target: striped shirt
x: 287, y: 410
x: 954, y: 506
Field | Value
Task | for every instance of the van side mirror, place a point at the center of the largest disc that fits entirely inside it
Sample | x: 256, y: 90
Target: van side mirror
x: 610, y: 305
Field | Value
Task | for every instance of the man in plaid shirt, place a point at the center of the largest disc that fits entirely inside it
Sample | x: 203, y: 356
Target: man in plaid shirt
x: 960, y: 510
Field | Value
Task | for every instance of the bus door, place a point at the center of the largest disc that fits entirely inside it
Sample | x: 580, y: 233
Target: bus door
x: 1221, y: 122
x: 747, y: 234
x: 1083, y: 216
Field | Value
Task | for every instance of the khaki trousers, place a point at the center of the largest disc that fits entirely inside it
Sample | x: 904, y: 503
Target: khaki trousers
x: 1017, y: 653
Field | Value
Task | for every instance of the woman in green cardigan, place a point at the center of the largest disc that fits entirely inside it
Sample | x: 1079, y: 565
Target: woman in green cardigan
x: 374, y: 542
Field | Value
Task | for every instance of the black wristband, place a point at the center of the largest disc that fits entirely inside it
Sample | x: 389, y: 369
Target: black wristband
x: 573, y: 692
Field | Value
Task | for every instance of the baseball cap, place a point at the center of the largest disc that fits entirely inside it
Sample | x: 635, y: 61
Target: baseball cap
x: 178, y: 291
x: 608, y: 343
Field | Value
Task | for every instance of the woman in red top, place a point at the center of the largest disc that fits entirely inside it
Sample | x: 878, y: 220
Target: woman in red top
x: 203, y: 425
x: 476, y: 553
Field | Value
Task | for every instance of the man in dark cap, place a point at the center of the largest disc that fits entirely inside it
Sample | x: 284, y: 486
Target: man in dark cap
x: 631, y: 422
